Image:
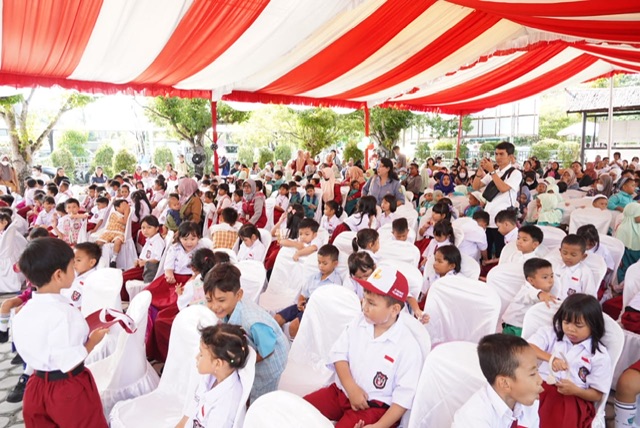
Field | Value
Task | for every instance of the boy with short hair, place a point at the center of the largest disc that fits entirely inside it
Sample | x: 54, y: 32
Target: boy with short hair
x: 54, y: 339
x: 173, y: 219
x: 282, y: 201
x: 68, y: 227
x: 85, y: 259
x: 482, y: 218
x: 307, y: 242
x: 377, y: 359
x: 310, y: 201
x: 571, y: 274
x: 511, y: 398
x: 90, y: 199
x: 539, y: 280
x: 327, y: 263
x: 295, y: 197
x: 400, y: 229
x: 529, y: 239
x: 507, y: 225
x: 64, y: 194
x: 277, y: 182
x: 45, y: 217
x: 98, y: 213
x: 225, y: 233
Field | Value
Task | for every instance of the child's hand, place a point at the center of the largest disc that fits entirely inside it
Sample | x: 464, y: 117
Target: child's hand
x: 179, y: 289
x: 358, y: 398
x: 296, y: 256
x: 558, y: 365
x: 566, y: 387
x: 170, y: 278
x: 547, y: 298
x: 302, y: 305
x: 421, y: 316
x: 97, y: 335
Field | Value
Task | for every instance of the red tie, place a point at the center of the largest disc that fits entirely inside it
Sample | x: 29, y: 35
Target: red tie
x: 514, y: 424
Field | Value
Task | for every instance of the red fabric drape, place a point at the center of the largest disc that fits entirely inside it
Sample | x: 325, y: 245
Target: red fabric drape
x: 351, y: 49
x: 44, y: 37
x: 206, y: 31
x: 258, y: 97
x: 494, y: 78
x: 464, y: 32
x: 561, y: 9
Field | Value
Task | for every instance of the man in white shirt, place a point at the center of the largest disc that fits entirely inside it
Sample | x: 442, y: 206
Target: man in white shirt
x: 507, y: 180
x: 511, y: 398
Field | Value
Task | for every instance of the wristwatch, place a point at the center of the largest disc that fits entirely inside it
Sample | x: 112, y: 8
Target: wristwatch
x: 492, y: 172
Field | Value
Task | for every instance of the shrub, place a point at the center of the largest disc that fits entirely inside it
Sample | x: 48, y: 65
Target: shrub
x: 264, y: 155
x: 162, y: 156
x: 568, y: 152
x: 487, y: 148
x: 63, y: 158
x: 422, y: 151
x: 124, y: 160
x: 245, y: 156
x: 104, y: 158
x: 283, y: 153
x: 544, y: 149
x: 443, y: 146
x: 75, y: 142
x: 351, y: 150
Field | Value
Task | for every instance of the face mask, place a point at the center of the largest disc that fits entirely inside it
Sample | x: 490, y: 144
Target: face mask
x: 529, y: 183
x: 5, y: 163
x: 600, y: 187
x: 462, y: 175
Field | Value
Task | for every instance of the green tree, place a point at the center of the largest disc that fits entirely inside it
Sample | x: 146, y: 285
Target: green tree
x: 28, y: 130
x: 545, y: 149
x: 568, y: 152
x: 282, y: 152
x: 104, y: 158
x: 264, y: 155
x: 162, y: 156
x: 75, y: 141
x: 351, y: 151
x: 124, y: 160
x: 320, y: 128
x: 387, y: 124
x: 487, y: 148
x: 63, y: 158
x: 440, y: 127
x: 551, y: 122
x: 422, y: 151
x: 245, y: 156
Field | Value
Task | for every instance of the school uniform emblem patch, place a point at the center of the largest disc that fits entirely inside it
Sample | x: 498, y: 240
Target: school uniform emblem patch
x: 148, y: 254
x: 571, y: 291
x: 75, y: 296
x: 583, y: 373
x: 380, y: 380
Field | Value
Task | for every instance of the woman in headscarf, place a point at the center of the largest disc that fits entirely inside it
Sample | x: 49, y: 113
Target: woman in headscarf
x: 8, y: 176
x: 190, y: 204
x: 602, y: 186
x: 327, y: 184
x: 445, y: 184
x: 590, y: 170
x: 569, y: 177
x: 530, y: 180
x: 253, y: 205
x: 629, y: 233
x: 298, y: 164
x: 354, y: 173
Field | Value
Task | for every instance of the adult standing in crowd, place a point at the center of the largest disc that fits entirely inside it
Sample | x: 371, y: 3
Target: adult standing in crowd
x: 506, y: 179
x: 299, y: 163
x: 8, y: 175
x: 223, y: 165
x: 401, y: 160
x: 385, y: 182
x: 182, y: 167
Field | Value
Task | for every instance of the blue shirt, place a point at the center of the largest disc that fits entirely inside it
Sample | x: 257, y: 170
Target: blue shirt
x: 620, y: 199
x: 316, y: 281
x: 378, y: 191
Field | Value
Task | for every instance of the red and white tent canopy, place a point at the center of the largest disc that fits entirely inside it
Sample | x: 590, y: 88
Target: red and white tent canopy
x: 455, y: 56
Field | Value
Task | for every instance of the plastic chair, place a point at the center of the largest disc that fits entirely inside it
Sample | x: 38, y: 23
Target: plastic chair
x: 12, y: 244
x: 159, y: 209
x: 589, y: 215
x: 401, y: 251
x: 613, y: 339
x: 247, y: 375
x: 281, y: 409
x: 163, y: 406
x: 461, y: 309
x: 506, y: 279
x: 252, y: 279
x: 598, y: 267
x: 127, y: 255
x: 269, y: 205
x: 408, y: 211
x: 328, y: 312
x: 126, y: 373
x: 285, y: 283
x: 552, y: 237
x: 436, y: 401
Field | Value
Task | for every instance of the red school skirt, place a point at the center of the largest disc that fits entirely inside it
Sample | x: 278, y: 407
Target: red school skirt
x: 564, y: 411
x: 272, y: 254
x: 157, y: 345
x: 128, y: 275
x: 164, y: 294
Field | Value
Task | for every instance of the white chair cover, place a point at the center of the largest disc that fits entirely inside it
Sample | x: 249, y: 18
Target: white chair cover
x: 12, y: 244
x: 461, y: 309
x: 552, y: 237
x: 252, y: 279
x: 323, y: 236
x: 328, y: 312
x: 343, y: 242
x: 506, y: 279
x: 410, y: 271
x: 401, y: 251
x: 631, y: 349
x: 269, y: 205
x: 126, y: 373
x: 247, y: 375
x: 408, y: 211
x: 127, y: 255
x: 616, y: 249
x: 508, y: 251
x: 318, y: 215
x: 469, y: 268
x: 135, y: 286
x: 285, y: 282
x: 232, y: 255
x: 281, y: 409
x: 386, y: 234
x: 451, y: 375
x: 158, y: 210
x: 590, y: 215
x: 598, y: 267
x: 539, y: 316
x: 163, y: 406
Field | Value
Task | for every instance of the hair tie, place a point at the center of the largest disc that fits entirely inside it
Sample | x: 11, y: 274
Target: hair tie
x: 231, y: 361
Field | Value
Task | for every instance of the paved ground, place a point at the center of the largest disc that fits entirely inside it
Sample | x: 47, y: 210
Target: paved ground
x: 10, y: 414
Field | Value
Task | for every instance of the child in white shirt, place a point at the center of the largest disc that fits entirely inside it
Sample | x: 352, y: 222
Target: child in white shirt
x: 98, y: 213
x: 237, y: 202
x: 307, y: 242
x: 388, y: 207
x: 330, y: 219
x: 282, y: 202
x: 192, y: 293
x: 251, y: 247
x: 86, y: 257
x: 571, y: 273
x: 45, y: 217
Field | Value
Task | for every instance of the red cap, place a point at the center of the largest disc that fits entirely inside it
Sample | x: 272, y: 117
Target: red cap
x: 387, y: 281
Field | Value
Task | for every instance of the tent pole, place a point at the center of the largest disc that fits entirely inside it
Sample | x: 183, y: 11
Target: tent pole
x: 584, y: 137
x: 214, y: 129
x: 366, y: 134
x: 459, y: 135
x: 610, y: 117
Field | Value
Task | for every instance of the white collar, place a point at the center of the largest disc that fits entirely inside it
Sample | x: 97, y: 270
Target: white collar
x: 501, y: 407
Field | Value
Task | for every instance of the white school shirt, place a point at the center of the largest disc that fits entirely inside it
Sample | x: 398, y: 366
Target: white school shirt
x: 604, y: 252
x: 50, y: 334
x: 97, y: 214
x: 61, y: 197
x: 144, y: 211
x: 179, y: 260
x: 385, y: 219
x: 511, y: 236
x: 225, y: 227
x: 430, y: 279
x: 282, y: 201
x: 28, y: 196
x: 586, y: 370
x: 502, y: 201
x: 21, y: 224
x: 433, y: 246
x: 214, y: 406
x: 316, y: 241
x: 475, y: 237
x: 44, y: 218
x: 525, y: 298
x: 74, y: 293
x: 224, y: 202
x: 571, y: 280
x: 485, y: 409
x: 157, y: 196
x: 238, y: 207
x: 330, y: 224
x: 257, y: 251
x: 518, y: 257
x: 354, y: 223
x: 153, y: 248
x: 207, y: 208
x: 387, y: 367
x: 352, y: 285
